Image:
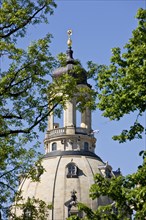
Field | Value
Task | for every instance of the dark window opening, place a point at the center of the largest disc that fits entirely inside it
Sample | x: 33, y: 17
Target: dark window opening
x: 107, y: 173
x: 54, y: 146
x: 86, y: 146
x: 72, y: 171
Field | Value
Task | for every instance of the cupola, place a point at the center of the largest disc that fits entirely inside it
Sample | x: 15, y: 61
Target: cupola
x: 72, y: 67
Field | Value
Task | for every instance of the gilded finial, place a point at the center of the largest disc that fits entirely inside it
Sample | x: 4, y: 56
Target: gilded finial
x: 69, y: 42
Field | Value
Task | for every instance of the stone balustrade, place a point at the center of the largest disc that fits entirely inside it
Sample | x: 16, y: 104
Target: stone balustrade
x: 60, y: 131
x: 55, y: 132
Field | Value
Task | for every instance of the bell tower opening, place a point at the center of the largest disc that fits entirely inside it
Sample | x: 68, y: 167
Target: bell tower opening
x: 78, y: 118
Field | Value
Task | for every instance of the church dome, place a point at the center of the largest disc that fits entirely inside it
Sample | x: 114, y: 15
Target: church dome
x: 70, y: 162
x: 65, y: 174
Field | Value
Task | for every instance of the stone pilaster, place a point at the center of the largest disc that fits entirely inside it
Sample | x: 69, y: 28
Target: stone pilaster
x: 70, y: 114
x: 86, y: 119
x: 51, y: 122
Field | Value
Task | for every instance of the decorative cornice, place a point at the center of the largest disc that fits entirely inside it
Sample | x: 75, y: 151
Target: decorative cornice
x: 72, y: 153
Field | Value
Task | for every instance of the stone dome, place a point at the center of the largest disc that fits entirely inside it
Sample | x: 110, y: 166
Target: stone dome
x: 66, y: 172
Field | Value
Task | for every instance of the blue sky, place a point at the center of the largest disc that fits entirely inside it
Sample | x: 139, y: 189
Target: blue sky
x: 97, y: 27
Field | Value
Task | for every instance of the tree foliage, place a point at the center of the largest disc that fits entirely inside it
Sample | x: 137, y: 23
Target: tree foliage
x: 24, y: 91
x: 128, y: 195
x: 32, y: 209
x: 27, y: 93
x: 122, y: 85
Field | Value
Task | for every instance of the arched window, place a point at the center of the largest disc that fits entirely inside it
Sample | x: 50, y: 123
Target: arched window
x: 54, y: 146
x: 72, y: 170
x: 86, y: 146
x: 108, y: 173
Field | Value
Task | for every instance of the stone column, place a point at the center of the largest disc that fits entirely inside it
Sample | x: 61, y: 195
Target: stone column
x: 70, y: 114
x: 86, y: 119
x: 83, y: 119
x: 65, y: 117
x: 51, y: 122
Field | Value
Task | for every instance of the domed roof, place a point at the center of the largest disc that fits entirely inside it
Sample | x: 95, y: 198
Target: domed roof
x: 70, y: 68
x: 65, y: 174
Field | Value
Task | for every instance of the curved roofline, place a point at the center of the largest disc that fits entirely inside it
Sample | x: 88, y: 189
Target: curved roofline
x: 72, y: 153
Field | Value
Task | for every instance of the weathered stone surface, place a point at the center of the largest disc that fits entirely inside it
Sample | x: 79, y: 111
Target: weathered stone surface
x: 55, y: 187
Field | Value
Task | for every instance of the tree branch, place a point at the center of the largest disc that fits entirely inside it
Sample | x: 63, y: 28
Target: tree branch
x: 26, y: 131
x: 9, y: 171
x: 11, y: 116
x: 21, y: 81
x: 13, y: 79
x: 5, y: 27
x: 23, y: 24
x: 8, y: 186
x: 42, y: 118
